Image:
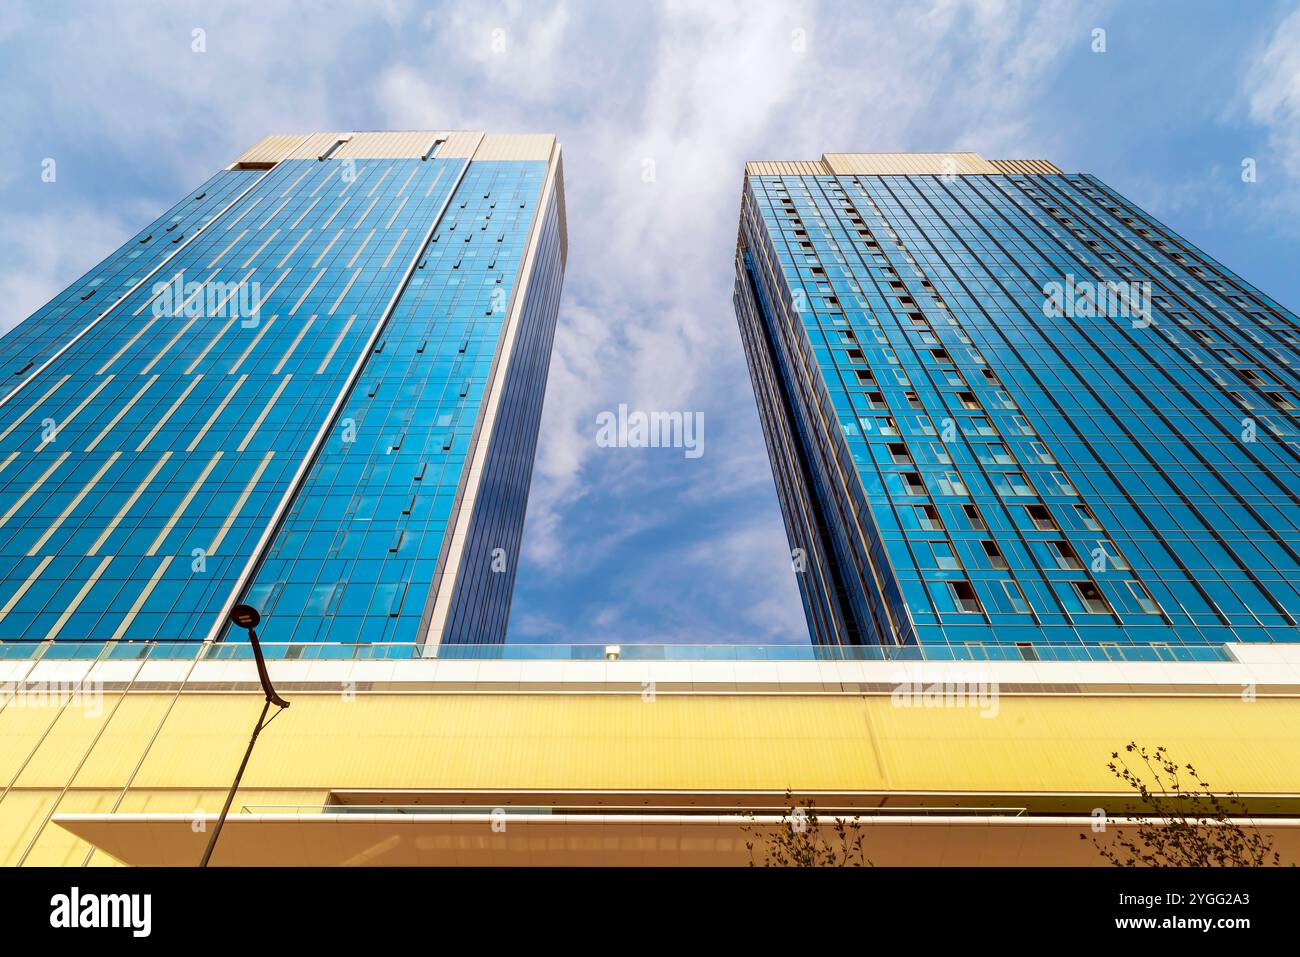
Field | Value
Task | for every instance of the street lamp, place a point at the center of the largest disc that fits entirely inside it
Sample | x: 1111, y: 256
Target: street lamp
x: 246, y: 616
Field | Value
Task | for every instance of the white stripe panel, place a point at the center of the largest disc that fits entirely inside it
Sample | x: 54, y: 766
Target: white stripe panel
x: 75, y: 412
x: 139, y: 603
x: 257, y: 252
x: 17, y: 596
x: 216, y: 414
x: 337, y: 209
x: 301, y: 239
x: 229, y: 523
x: 123, y: 411
x: 128, y: 504
x: 203, y: 354
x: 168, y: 414
x: 306, y: 292
x: 400, y: 239
x: 334, y: 308
x: 266, y: 410
x: 294, y: 345
x: 252, y: 345
x: 185, y: 502
x: 328, y: 246
x: 360, y: 249
x: 222, y: 255
x: 72, y: 506
x: 78, y: 598
x: 34, y: 406
x: 329, y: 356
x: 36, y: 487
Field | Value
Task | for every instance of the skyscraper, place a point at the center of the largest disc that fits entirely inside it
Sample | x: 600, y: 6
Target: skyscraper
x: 1006, y: 407
x: 314, y: 385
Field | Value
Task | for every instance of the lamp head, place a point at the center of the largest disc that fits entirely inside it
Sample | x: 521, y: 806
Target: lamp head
x: 244, y: 616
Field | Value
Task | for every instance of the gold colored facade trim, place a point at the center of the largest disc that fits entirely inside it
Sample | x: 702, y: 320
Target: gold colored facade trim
x: 900, y: 164
x: 403, y: 144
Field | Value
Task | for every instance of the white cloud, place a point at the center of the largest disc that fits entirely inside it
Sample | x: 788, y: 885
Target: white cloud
x: 694, y: 88
x: 1272, y: 88
x: 42, y: 251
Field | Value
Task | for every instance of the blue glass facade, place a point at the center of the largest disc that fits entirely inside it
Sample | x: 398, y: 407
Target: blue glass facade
x: 274, y: 394
x: 1010, y: 407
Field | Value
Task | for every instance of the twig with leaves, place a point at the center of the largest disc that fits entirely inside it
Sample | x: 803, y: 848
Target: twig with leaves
x: 1182, y: 822
x: 799, y: 841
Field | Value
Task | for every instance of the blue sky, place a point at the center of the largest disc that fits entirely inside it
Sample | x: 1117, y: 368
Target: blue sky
x: 645, y: 544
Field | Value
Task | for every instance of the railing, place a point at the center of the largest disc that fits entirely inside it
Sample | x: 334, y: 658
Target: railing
x: 311, y: 651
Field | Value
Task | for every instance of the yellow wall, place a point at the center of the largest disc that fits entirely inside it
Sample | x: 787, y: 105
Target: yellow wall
x: 164, y: 752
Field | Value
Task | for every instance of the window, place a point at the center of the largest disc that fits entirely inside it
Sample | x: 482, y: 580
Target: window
x: 928, y: 518
x: 1084, y: 514
x: 995, y: 454
x: 1090, y: 595
x: 1065, y: 555
x: 944, y: 557
x: 912, y: 483
x: 1143, y: 598
x: 967, y: 400
x: 950, y: 484
x: 1016, y: 598
x: 898, y: 453
x: 1064, y: 484
x: 994, y: 554
x: 1041, y: 518
x: 963, y: 594
x: 1108, y: 556
x: 1013, y: 483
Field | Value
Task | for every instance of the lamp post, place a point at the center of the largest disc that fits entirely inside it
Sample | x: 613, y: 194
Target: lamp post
x: 246, y: 616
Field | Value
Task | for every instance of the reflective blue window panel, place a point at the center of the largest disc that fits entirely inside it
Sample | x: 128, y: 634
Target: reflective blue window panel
x: 1015, y: 409
x: 237, y: 415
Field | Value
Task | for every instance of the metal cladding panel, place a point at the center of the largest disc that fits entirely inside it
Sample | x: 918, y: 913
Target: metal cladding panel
x: 516, y: 146
x: 899, y: 164
x: 559, y: 199
x: 1027, y: 167
x: 408, y: 144
x: 316, y: 145
x: 460, y: 145
x: 904, y: 164
x: 271, y: 149
x: 786, y: 168
x: 1039, y: 746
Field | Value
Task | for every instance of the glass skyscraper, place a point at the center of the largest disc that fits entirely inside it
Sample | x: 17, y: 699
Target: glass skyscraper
x: 313, y: 385
x: 1005, y: 406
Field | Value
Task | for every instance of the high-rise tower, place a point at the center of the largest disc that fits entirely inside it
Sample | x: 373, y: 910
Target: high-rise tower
x: 1005, y: 406
x: 313, y: 385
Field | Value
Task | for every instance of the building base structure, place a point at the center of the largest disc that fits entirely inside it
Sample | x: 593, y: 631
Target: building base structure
x: 488, y: 762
